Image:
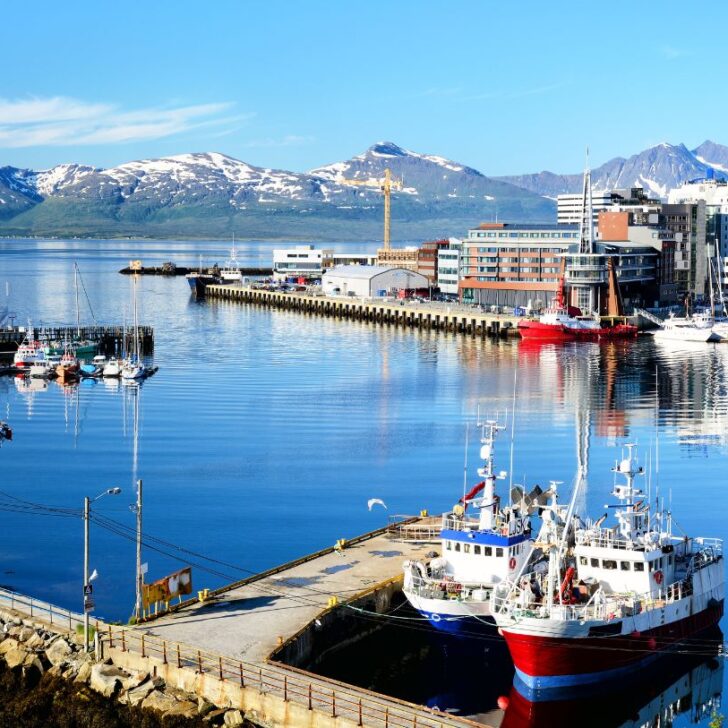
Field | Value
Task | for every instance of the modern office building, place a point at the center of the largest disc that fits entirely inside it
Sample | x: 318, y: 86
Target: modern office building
x: 300, y: 261
x: 448, y: 267
x: 569, y: 206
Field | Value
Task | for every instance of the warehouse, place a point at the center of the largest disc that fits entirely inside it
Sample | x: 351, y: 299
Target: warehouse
x: 371, y: 281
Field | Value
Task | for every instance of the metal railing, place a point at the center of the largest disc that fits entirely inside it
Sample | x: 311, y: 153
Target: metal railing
x: 336, y: 699
x: 36, y: 609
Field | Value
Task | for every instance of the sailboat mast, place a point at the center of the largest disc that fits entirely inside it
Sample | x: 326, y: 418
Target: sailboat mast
x: 78, y: 310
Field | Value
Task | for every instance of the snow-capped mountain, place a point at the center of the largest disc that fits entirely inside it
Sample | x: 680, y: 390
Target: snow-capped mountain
x: 218, y: 192
x: 657, y: 169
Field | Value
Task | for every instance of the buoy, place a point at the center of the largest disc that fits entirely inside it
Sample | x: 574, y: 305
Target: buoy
x: 503, y: 702
x: 652, y: 643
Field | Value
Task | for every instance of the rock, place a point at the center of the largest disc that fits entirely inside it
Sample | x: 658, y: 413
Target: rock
x: 185, y: 708
x: 158, y: 683
x: 84, y: 673
x: 216, y: 717
x: 106, y: 679
x: 159, y: 701
x: 55, y: 671
x: 135, y: 680
x: 138, y: 694
x: 15, y: 657
x: 32, y: 668
x: 233, y: 717
x: 8, y: 644
x: 35, y: 642
x: 204, y: 707
x: 58, y: 651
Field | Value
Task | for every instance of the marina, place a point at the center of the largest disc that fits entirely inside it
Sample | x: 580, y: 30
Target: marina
x: 294, y: 383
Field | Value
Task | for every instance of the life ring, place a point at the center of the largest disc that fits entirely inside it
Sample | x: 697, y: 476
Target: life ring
x: 435, y: 617
x: 658, y: 577
x: 512, y: 563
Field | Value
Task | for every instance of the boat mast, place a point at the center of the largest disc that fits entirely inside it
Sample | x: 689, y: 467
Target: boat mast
x: 78, y: 310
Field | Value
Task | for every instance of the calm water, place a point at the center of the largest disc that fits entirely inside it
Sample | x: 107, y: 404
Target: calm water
x: 264, y: 433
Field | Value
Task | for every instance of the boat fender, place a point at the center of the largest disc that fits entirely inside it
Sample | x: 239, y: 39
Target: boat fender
x: 636, y: 634
x: 658, y: 577
x: 512, y: 564
x: 503, y: 702
x: 652, y: 643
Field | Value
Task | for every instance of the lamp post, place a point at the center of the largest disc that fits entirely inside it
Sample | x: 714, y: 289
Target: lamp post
x: 87, y: 588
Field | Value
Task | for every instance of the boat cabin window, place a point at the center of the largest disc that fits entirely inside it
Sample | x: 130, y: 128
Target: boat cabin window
x: 583, y: 561
x: 499, y: 552
x: 457, y: 546
x: 487, y: 551
x: 639, y: 566
x: 669, y: 560
x: 466, y: 548
x: 476, y: 550
x: 595, y: 562
x: 448, y: 545
x: 624, y: 565
x: 609, y: 564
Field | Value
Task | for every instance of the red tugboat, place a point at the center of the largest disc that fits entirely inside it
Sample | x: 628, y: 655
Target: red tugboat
x: 613, y: 599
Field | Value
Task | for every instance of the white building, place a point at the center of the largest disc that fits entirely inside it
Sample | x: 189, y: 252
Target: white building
x: 302, y: 260
x: 370, y: 281
x: 350, y: 259
x: 569, y: 206
x: 448, y: 267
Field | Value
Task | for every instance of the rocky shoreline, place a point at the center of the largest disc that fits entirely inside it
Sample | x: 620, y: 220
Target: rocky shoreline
x: 47, y: 680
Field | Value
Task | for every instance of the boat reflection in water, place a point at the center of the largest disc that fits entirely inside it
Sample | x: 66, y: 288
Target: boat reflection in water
x: 684, y: 687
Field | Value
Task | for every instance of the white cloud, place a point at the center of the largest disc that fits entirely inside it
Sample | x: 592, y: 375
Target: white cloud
x: 62, y: 121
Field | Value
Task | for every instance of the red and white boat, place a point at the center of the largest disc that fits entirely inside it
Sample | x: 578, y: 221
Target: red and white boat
x: 30, y: 351
x: 559, y: 323
x: 612, y: 598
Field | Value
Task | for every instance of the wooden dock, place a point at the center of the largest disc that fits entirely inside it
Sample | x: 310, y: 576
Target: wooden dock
x: 435, y: 317
x: 111, y: 339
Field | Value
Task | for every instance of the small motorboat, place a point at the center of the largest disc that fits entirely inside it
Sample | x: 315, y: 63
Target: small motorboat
x: 67, y: 369
x: 112, y: 368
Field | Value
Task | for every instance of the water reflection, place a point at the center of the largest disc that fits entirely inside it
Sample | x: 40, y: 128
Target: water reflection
x: 676, y: 691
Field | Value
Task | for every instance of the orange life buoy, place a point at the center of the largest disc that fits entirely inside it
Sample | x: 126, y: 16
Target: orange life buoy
x: 512, y: 563
x: 658, y: 577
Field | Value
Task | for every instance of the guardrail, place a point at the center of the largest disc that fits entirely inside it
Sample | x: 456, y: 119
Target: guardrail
x: 336, y: 699
x: 37, y: 609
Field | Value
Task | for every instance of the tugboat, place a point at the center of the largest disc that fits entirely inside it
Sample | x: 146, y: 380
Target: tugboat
x: 453, y: 591
x: 613, y: 598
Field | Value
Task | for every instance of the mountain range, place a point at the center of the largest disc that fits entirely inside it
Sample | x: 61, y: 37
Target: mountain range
x: 211, y: 195
x: 657, y: 169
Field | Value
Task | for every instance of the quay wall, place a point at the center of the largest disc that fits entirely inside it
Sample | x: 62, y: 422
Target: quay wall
x: 376, y: 312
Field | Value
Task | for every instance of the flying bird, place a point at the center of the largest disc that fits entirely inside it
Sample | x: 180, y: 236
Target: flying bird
x: 376, y: 501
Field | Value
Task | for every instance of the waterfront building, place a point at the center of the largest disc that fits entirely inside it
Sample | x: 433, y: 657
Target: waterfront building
x: 448, y: 267
x: 569, y: 206
x: 349, y: 259
x: 372, y: 281
x: 407, y: 257
x: 300, y: 261
x: 427, y: 258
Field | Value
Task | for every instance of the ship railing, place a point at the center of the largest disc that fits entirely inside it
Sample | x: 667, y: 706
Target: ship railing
x: 453, y: 523
x: 444, y: 587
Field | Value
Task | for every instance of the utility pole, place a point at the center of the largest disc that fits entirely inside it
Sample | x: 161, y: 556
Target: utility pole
x: 86, y: 596
x: 139, y: 575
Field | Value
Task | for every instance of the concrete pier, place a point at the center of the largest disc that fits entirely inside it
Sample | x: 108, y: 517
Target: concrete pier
x: 243, y: 648
x: 407, y: 315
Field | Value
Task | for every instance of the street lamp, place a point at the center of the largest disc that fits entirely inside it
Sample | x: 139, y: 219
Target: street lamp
x: 87, y: 588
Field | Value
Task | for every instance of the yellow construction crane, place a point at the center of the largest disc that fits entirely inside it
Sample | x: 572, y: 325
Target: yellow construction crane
x: 385, y: 185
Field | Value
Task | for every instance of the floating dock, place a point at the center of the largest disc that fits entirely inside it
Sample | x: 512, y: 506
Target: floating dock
x: 387, y: 313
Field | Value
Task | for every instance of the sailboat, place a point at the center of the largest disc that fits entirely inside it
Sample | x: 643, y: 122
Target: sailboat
x: 132, y: 367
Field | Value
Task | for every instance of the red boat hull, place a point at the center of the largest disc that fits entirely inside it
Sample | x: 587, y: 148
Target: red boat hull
x: 546, y: 662
x: 537, y: 331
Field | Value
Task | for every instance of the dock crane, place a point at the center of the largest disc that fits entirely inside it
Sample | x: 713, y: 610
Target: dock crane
x: 385, y: 185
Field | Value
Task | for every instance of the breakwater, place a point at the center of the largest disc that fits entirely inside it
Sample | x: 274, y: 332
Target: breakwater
x: 406, y: 315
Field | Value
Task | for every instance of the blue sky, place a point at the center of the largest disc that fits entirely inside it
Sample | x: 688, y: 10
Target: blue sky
x: 504, y: 87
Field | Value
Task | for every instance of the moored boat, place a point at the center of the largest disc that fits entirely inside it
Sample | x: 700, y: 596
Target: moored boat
x: 68, y: 368
x: 453, y: 591
x: 615, y: 599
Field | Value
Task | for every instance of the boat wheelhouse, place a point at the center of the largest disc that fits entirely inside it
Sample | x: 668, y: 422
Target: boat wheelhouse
x: 453, y: 591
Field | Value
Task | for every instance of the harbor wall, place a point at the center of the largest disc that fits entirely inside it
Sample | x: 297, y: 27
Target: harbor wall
x: 375, y: 312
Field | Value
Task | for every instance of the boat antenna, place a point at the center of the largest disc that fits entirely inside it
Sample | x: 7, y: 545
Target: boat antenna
x: 513, y: 436
x: 465, y: 464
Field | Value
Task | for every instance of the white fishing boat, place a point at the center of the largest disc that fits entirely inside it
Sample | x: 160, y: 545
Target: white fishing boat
x: 698, y: 327
x: 230, y: 271
x: 453, y: 591
x: 613, y: 598
x: 30, y: 350
x: 45, y: 368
